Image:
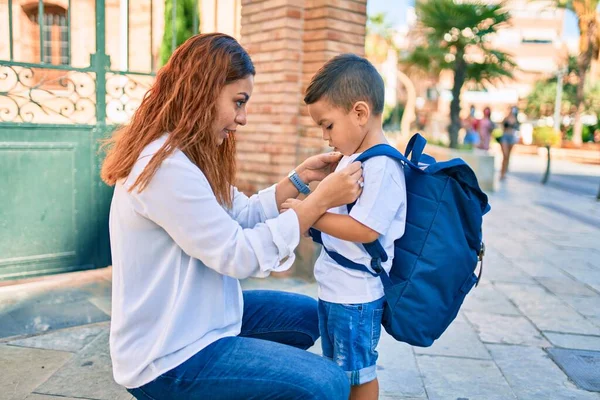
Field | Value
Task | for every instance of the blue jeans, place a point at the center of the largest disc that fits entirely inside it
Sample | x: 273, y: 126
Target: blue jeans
x: 349, y: 336
x: 266, y: 361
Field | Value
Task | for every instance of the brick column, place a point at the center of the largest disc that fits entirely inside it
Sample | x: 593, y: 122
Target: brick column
x: 288, y: 41
x: 272, y: 34
x: 331, y: 27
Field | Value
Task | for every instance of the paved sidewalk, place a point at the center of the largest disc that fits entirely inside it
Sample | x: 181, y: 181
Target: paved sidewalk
x: 540, y: 293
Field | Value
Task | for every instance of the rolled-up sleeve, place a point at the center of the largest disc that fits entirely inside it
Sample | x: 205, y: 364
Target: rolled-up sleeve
x: 252, y: 239
x: 249, y: 211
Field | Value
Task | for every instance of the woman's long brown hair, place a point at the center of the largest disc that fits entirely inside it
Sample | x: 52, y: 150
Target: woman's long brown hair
x: 182, y: 103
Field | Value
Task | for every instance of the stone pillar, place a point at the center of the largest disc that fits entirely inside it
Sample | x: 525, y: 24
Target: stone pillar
x: 331, y: 27
x: 272, y: 34
x: 288, y: 41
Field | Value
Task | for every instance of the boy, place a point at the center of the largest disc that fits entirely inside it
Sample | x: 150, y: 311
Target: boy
x: 345, y: 98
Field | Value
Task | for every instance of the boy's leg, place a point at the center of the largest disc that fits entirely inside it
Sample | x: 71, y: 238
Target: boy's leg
x: 366, y: 391
x: 281, y: 317
x: 355, y: 330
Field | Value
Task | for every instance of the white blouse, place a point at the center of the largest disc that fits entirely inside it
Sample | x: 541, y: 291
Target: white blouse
x: 177, y: 257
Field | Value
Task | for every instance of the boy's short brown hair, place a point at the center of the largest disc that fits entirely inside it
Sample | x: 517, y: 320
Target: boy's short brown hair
x: 346, y: 79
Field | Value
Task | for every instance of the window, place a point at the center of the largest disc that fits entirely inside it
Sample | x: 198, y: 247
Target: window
x: 55, y: 35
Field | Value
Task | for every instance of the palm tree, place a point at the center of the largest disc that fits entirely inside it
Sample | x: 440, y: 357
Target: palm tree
x: 378, y: 42
x: 455, y: 37
x: 589, y: 45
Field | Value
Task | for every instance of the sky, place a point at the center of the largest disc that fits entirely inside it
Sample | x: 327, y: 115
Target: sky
x: 395, y: 11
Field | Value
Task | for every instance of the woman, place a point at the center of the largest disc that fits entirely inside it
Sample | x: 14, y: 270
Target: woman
x: 182, y: 236
x: 471, y: 124
x: 508, y: 139
x: 486, y: 127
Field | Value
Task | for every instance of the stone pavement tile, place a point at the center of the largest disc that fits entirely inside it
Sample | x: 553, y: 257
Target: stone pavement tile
x: 103, y: 303
x: 567, y: 286
x: 517, y: 252
x: 546, y: 310
x: 88, y: 374
x: 71, y: 340
x: 541, y: 269
x: 99, y: 288
x: 588, y: 306
x: 530, y: 298
x: 397, y: 369
x: 459, y: 340
x: 578, y: 240
x: 35, y: 396
x: 37, y: 318
x: 569, y: 341
x: 9, y: 327
x: 507, y: 329
x: 500, y: 271
x: 486, y: 298
x: 594, y: 320
x: 564, y: 322
x: 22, y: 370
x: 533, y: 375
x: 595, y: 286
x: 566, y: 258
x: 454, y: 378
x: 51, y: 297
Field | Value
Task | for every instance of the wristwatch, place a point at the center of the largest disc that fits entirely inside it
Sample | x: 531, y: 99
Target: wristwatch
x: 301, y: 186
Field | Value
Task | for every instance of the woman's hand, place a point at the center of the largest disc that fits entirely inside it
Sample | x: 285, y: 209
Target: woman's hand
x: 316, y: 168
x: 341, y: 187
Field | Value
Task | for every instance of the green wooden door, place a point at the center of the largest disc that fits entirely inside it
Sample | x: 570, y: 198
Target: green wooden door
x: 53, y: 208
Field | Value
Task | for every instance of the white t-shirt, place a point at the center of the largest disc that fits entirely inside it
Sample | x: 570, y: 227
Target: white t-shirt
x: 177, y: 257
x: 381, y: 207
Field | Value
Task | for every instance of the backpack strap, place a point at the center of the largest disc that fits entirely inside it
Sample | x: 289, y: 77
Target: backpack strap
x: 377, y: 258
x: 415, y: 146
x: 343, y: 261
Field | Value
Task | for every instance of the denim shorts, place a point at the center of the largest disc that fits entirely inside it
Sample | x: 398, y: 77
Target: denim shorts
x: 508, y: 138
x: 349, y: 336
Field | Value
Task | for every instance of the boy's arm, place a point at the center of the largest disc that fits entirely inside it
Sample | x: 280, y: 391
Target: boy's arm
x: 346, y: 228
x: 343, y: 227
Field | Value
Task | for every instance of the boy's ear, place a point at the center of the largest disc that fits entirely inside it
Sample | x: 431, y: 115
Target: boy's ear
x: 362, y: 111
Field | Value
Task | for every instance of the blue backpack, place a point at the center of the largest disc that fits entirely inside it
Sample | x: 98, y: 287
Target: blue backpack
x: 435, y: 260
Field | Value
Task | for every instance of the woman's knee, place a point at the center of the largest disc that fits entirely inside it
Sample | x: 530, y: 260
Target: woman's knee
x: 334, y: 383
x: 307, y: 309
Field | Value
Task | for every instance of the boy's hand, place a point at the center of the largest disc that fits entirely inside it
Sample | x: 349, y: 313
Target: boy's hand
x: 316, y: 168
x: 289, y: 204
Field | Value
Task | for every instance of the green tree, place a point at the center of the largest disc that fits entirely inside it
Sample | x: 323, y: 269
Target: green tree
x: 456, y: 37
x: 541, y: 99
x: 589, y: 46
x: 187, y: 18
